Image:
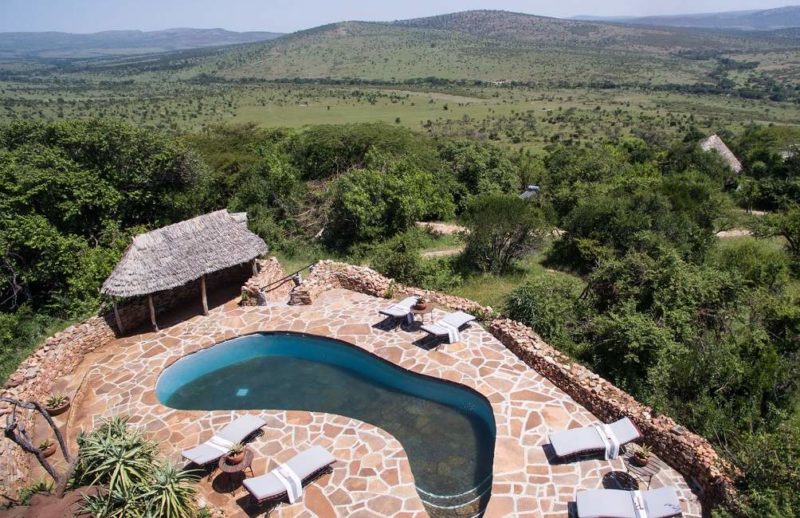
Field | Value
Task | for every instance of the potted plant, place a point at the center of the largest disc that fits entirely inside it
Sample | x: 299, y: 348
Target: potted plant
x: 422, y: 304
x: 642, y: 456
x: 56, y: 404
x: 47, y: 447
x: 235, y: 454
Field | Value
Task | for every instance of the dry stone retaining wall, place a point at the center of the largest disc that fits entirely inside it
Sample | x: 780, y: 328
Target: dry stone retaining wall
x: 688, y: 453
x: 269, y: 284
x: 34, y: 379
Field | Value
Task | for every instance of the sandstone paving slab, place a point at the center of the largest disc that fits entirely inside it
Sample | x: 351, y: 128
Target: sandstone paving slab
x: 372, y: 476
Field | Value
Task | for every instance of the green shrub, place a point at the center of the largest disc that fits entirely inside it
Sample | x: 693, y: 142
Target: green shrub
x: 324, y: 151
x: 548, y: 305
x: 371, y: 205
x: 757, y: 263
x: 502, y: 229
x: 40, y: 486
x: 399, y: 258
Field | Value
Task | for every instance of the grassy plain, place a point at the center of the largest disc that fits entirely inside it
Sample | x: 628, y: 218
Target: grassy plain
x: 527, y: 117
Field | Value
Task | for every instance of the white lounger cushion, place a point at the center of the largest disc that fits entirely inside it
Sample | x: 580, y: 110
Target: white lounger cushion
x: 572, y: 442
x: 613, y: 503
x: 449, y: 325
x: 304, y: 464
x: 220, y: 444
x: 400, y: 309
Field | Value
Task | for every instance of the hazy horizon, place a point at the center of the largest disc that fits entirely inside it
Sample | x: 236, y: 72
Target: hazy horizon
x: 88, y: 16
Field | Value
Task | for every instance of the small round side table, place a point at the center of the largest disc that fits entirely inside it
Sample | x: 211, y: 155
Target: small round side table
x: 422, y: 312
x: 234, y: 469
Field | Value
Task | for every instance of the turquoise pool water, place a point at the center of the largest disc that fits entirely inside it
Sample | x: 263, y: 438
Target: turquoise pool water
x: 447, y: 430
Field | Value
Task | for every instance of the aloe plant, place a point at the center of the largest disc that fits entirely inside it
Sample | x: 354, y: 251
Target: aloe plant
x: 115, y: 456
x: 171, y: 492
x: 236, y: 448
x: 55, y: 400
x: 137, y: 483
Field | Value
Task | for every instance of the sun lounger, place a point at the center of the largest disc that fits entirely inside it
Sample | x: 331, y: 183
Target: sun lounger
x: 449, y: 325
x: 288, y: 479
x: 614, y: 503
x: 607, y: 438
x: 400, y: 309
x: 237, y: 431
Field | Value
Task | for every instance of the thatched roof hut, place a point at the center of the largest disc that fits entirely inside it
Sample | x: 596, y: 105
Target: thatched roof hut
x: 714, y: 143
x: 183, y: 252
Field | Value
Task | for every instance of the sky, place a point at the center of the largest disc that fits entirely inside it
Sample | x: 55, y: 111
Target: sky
x: 289, y: 16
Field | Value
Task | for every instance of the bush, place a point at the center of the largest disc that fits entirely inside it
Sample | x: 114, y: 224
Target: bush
x: 502, y: 229
x: 328, y: 150
x: 756, y: 263
x: 399, y: 258
x: 786, y: 225
x: 771, y: 463
x: 548, y: 305
x: 374, y: 204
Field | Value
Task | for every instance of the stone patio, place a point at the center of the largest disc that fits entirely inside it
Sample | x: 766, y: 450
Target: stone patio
x: 372, y: 477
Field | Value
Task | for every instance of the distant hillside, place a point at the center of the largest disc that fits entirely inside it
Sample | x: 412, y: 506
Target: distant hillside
x: 489, y: 45
x: 486, y: 46
x: 758, y: 20
x: 118, y: 43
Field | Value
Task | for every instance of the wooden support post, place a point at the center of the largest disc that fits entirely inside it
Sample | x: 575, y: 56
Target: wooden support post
x: 119, y: 320
x: 152, y: 312
x: 203, y: 294
x: 255, y: 267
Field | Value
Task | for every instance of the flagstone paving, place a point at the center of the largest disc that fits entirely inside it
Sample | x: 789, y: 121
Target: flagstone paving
x: 372, y: 476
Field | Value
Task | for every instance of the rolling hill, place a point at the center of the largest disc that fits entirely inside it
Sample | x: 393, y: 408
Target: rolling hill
x: 755, y: 20
x: 490, y: 46
x: 45, y: 45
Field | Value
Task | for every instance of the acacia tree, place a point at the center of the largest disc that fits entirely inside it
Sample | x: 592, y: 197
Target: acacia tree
x: 502, y: 229
x: 787, y: 225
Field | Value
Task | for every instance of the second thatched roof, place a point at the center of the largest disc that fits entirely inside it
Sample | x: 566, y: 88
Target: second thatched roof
x: 177, y: 254
x: 715, y: 143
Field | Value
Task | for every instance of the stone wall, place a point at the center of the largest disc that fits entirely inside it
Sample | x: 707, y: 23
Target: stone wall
x: 34, y: 380
x: 269, y: 284
x: 327, y: 275
x: 686, y: 452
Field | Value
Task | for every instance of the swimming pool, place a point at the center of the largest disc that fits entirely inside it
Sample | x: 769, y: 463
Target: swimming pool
x: 447, y: 430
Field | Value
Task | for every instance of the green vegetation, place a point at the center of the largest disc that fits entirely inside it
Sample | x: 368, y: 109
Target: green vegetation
x: 503, y: 228
x: 137, y: 482
x: 647, y: 296
x: 71, y: 196
x: 615, y: 263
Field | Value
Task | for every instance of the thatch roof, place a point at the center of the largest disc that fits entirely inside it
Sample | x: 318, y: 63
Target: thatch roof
x: 715, y: 143
x: 174, y: 255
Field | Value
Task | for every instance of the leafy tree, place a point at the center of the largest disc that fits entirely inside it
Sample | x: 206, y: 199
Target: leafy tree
x: 482, y: 168
x: 571, y: 171
x: 502, y: 229
x: 272, y: 194
x: 328, y: 150
x: 786, y: 225
x: 370, y: 205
